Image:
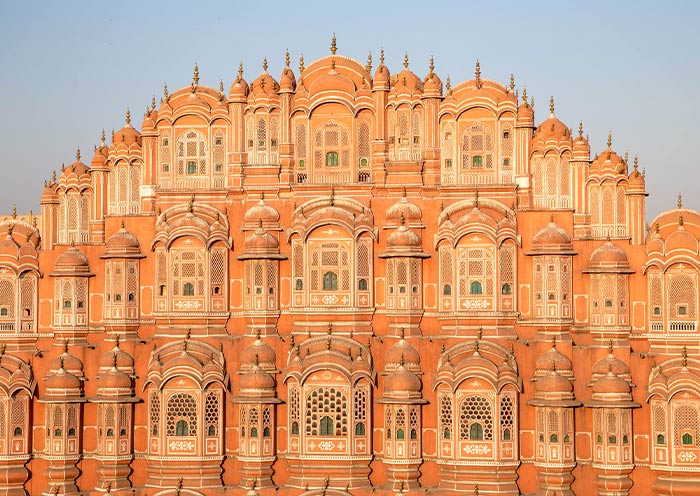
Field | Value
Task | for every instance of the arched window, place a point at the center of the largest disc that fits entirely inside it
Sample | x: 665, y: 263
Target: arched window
x: 400, y: 434
x: 326, y: 428
x: 331, y: 159
x: 476, y: 432
x: 360, y: 429
x: 295, y: 427
x: 188, y: 289
x: 475, y: 288
x: 181, y: 428
x: 330, y: 281
x: 191, y: 154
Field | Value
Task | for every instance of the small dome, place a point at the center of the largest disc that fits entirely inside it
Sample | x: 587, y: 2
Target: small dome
x: 256, y: 380
x: 128, y: 134
x: 552, y: 129
x: 608, y: 258
x: 403, y: 351
x: 409, y: 210
x: 681, y: 239
x: 72, y: 262
x: 116, y: 357
x: 8, y: 245
x: 382, y: 75
x: 261, y: 212
x: 609, y: 161
x: 123, y: 239
x: 264, y: 85
x: 114, y: 379
x: 62, y: 382
x: 552, y: 239
x: 610, y: 383
x: 99, y: 158
x: 78, y: 168
x: 406, y: 80
x: 432, y: 85
x: 553, y: 358
x: 403, y: 237
x: 581, y: 146
x: 554, y: 383
x: 610, y: 363
x: 261, y: 241
x: 402, y: 380
x: 637, y: 181
x: 526, y: 114
x: 239, y: 89
x: 67, y: 362
x: 287, y: 80
x: 259, y: 353
x: 478, y: 217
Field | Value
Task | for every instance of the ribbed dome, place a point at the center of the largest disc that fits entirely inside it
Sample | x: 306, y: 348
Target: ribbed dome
x: 403, y: 351
x: 403, y: 237
x: 123, y: 359
x: 78, y: 168
x: 552, y: 129
x: 381, y: 75
x: 259, y: 353
x: 402, y: 380
x: 609, y: 160
x: 552, y: 239
x: 256, y: 380
x: 410, y: 212
x: 261, y: 212
x: 67, y: 362
x: 526, y: 115
x: 610, y: 363
x: 608, y: 258
x: 478, y: 217
x: 114, y: 379
x: 8, y: 245
x: 287, y: 80
x: 62, y: 382
x: 432, y: 84
x: 123, y: 239
x: 554, y: 383
x: 610, y: 383
x: 72, y: 262
x: 261, y: 241
x: 128, y: 134
x: 553, y: 358
x: 681, y: 239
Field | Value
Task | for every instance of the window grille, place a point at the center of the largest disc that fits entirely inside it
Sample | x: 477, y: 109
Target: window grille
x: 327, y: 402
x: 182, y: 406
x: 476, y: 410
x: 211, y: 414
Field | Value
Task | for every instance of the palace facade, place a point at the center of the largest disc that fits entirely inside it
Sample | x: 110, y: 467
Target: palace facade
x: 349, y: 282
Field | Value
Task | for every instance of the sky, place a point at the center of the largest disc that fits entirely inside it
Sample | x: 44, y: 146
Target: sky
x: 70, y: 69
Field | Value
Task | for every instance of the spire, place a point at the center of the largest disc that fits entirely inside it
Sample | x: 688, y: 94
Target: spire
x: 477, y: 74
x: 195, y: 75
x: 334, y: 48
x: 286, y: 57
x: 405, y: 60
x: 265, y: 64
x: 368, y: 67
x: 381, y: 56
x: 301, y: 64
x: 610, y: 140
x: 680, y: 201
x: 431, y: 65
x: 512, y: 83
x: 551, y: 105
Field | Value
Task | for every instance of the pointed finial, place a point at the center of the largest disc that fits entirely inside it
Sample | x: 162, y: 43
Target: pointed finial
x: 684, y: 354
x: 195, y: 76
x: 405, y: 60
x: 333, y: 64
x: 53, y: 177
x: 476, y: 198
x: 636, y: 164
x: 477, y: 74
x: 476, y: 489
x: 680, y: 221
x: 265, y: 64
x: 123, y: 224
x: 165, y: 91
x: 368, y: 67
x: 153, y: 102
x: 431, y: 65
x: 381, y: 56
x: 240, y: 71
x: 551, y: 105
x: 525, y: 95
x: 610, y: 139
x: 77, y: 154
x: 580, y: 129
x: 221, y: 85
x: 14, y: 211
x: 190, y: 204
x: 329, y: 329
x: 448, y: 85
x: 627, y: 156
x: 301, y: 64
x: 680, y: 200
x: 480, y: 333
x: 512, y: 82
x: 403, y: 219
x: 554, y: 341
x: 610, y: 347
x: 286, y: 57
x: 334, y: 48
x: 532, y: 101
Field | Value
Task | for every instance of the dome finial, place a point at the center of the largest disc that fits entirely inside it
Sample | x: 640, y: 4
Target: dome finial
x: 381, y: 56
x: 301, y: 64
x: 525, y: 95
x: 165, y: 92
x: 153, y: 102
x: 551, y: 105
x: 448, y: 85
x: 127, y: 118
x: 190, y: 204
x: 532, y: 101
x: 431, y: 65
x: 477, y: 74
x: 580, y: 129
x: 77, y: 154
x: 680, y: 200
x: 636, y: 164
x: 265, y: 64
x: 102, y: 138
x: 286, y: 57
x: 122, y: 224
x: 402, y: 362
x: 405, y: 60
x: 684, y: 354
x: 368, y: 67
x: 195, y: 75
x: 511, y: 86
x: 240, y: 71
x: 610, y: 140
x: 680, y: 221
x: 334, y: 47
x: 476, y: 198
x: 221, y: 85
x: 403, y: 219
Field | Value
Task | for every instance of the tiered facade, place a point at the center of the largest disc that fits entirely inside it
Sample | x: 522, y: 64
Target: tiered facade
x: 349, y: 282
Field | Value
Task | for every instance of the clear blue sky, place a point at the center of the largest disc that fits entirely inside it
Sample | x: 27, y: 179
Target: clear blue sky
x: 70, y: 69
